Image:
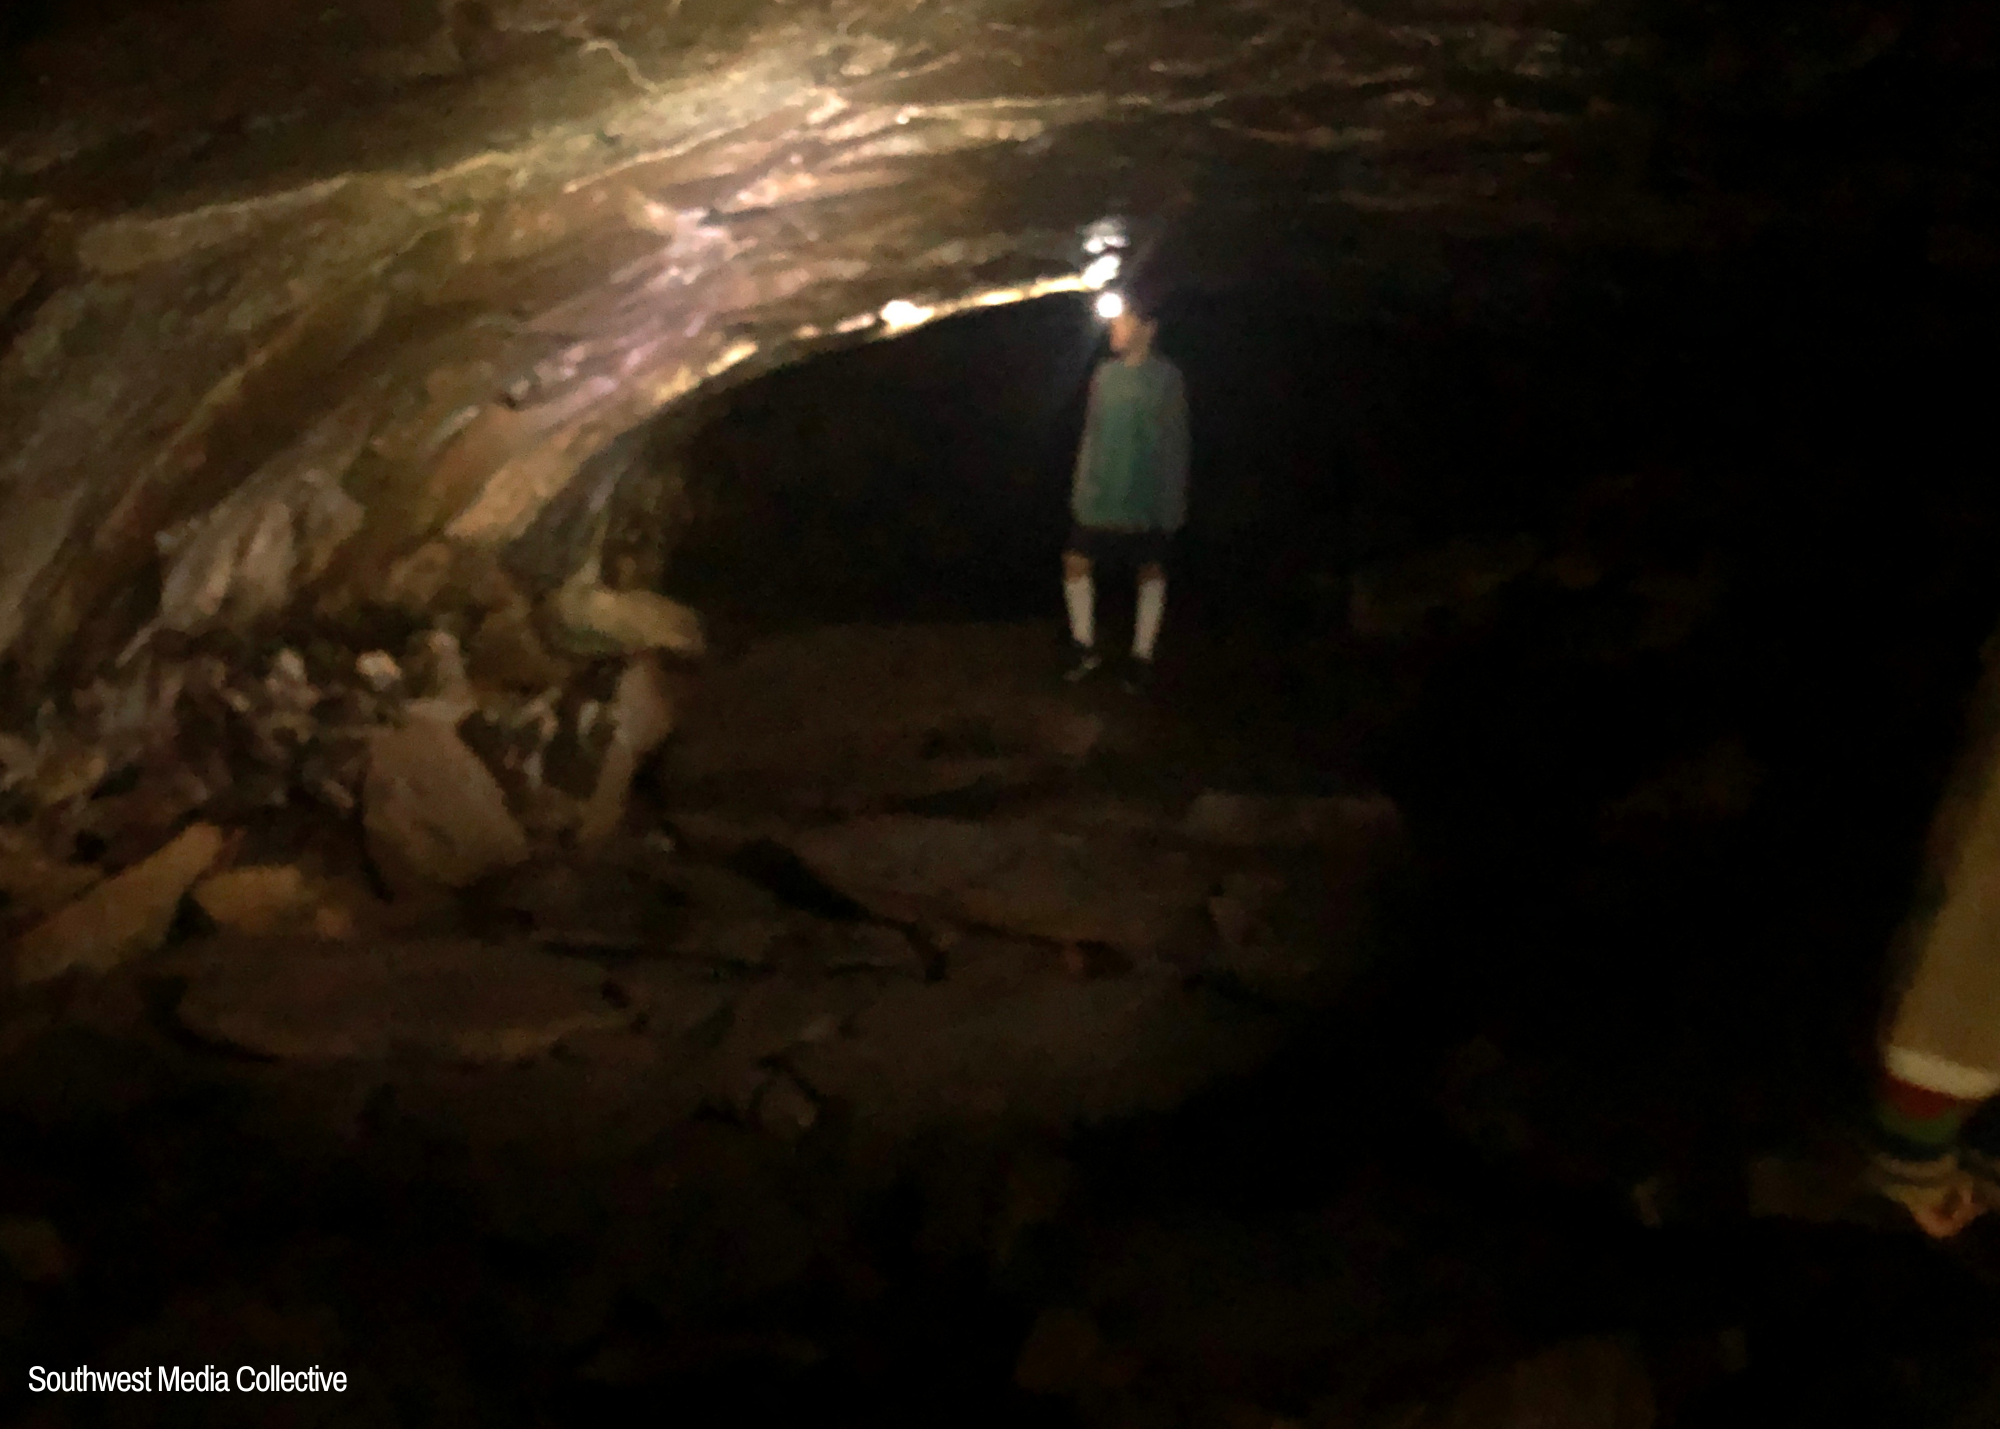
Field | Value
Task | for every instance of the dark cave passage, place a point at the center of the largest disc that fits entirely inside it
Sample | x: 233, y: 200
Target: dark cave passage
x: 1619, y: 588
x: 547, y: 859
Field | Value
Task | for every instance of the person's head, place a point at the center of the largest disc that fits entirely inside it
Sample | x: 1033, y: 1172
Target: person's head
x: 1132, y: 331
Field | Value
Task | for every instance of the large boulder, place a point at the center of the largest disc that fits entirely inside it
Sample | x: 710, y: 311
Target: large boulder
x: 433, y: 813
x: 1098, y: 886
x: 642, y: 716
x: 122, y: 917
x: 453, y: 999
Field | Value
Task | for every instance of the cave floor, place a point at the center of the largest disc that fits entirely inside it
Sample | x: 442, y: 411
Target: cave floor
x: 938, y: 1043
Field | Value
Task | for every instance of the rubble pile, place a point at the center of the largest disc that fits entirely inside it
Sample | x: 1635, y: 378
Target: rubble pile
x: 163, y: 777
x: 331, y: 854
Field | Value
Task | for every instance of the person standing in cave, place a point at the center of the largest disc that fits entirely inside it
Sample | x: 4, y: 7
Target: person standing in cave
x: 1129, y: 493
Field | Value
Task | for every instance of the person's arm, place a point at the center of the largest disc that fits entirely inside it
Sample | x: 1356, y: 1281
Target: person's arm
x: 1174, y: 452
x: 1085, y: 449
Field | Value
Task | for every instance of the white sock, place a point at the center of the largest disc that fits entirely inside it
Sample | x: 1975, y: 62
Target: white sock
x: 1146, y: 625
x: 1080, y: 595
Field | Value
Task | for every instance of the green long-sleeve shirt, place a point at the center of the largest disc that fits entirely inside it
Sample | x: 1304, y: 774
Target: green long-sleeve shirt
x: 1132, y: 469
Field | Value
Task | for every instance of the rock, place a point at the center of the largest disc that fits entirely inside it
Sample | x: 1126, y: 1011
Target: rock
x: 133, y: 712
x: 288, y: 684
x: 549, y: 815
x: 1292, y: 940
x: 122, y: 917
x: 436, y: 667
x: 133, y: 824
x: 378, y: 670
x: 34, y: 884
x: 1596, y: 1383
x: 1094, y: 887
x: 777, y: 1015
x: 18, y: 759
x: 333, y: 771
x: 454, y: 999
x: 594, y: 620
x: 1239, y: 911
x: 345, y: 907
x: 1248, y: 820
x: 724, y: 836
x: 1070, y: 734
x: 1005, y: 1039
x: 258, y: 900
x: 433, y: 814
x: 642, y: 715
x: 67, y: 768
x: 1398, y: 598
x: 512, y: 738
x: 719, y: 893
x: 507, y: 650
x: 740, y: 942
x: 579, y: 904
x: 278, y: 713
x: 875, y: 948
x: 446, y: 578
x: 573, y: 762
x: 243, y: 559
x: 672, y: 996
x: 33, y: 1248
x: 783, y: 1107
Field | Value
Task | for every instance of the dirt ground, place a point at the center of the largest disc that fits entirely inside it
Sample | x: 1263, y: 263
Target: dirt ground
x: 935, y: 1043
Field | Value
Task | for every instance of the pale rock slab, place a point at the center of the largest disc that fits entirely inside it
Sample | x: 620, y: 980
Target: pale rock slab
x: 596, y: 620
x: 122, y: 917
x: 433, y: 813
x: 257, y: 900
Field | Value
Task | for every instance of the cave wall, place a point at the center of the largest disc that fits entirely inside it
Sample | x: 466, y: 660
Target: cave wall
x: 308, y: 288
x: 437, y: 256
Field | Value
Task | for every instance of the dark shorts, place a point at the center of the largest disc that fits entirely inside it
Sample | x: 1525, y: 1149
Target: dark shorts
x: 1120, y: 548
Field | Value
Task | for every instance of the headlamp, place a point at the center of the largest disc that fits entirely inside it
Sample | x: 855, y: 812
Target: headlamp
x: 1102, y: 270
x: 1110, y: 305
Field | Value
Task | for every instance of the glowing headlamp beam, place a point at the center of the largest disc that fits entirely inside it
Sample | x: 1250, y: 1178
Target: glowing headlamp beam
x: 903, y: 313
x: 1110, y: 305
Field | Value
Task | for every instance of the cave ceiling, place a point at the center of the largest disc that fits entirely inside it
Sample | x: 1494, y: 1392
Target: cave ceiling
x: 376, y: 273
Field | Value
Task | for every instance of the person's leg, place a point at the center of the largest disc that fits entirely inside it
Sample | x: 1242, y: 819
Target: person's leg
x: 1941, y: 1054
x: 1917, y: 1159
x: 1152, y: 609
x: 1080, y: 597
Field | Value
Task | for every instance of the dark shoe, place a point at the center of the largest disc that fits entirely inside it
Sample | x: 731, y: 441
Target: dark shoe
x: 1939, y: 1193
x: 1088, y: 663
x: 1984, y: 1168
x: 1138, y: 676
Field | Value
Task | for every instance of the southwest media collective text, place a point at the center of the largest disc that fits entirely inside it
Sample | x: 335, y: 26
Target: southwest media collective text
x: 175, y: 1380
